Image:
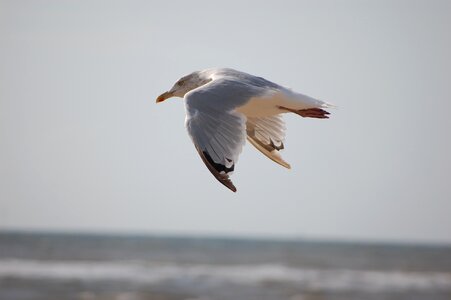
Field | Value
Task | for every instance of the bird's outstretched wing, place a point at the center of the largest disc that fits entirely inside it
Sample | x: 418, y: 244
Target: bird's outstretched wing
x: 267, y: 135
x: 216, y: 129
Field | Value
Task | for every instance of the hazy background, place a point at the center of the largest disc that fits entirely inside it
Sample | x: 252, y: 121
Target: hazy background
x: 84, y: 147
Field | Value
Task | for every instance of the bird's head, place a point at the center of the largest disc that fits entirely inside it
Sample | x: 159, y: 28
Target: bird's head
x: 184, y: 85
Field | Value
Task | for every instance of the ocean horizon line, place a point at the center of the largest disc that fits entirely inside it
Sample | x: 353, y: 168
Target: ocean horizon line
x: 222, y: 236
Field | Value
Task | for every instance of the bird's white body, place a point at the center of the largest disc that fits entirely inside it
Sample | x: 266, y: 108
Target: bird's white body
x: 267, y: 105
x: 224, y: 107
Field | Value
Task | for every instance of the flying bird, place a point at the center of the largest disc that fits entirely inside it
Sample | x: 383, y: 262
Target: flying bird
x: 224, y: 107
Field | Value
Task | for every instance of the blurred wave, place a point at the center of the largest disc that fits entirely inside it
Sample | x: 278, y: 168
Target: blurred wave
x: 42, y: 266
x: 153, y: 273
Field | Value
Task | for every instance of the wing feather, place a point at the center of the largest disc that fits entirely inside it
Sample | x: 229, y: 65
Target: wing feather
x: 217, y: 130
x: 221, y: 177
x: 267, y: 135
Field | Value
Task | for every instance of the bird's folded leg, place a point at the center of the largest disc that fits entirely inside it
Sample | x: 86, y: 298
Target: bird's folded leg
x: 317, y: 113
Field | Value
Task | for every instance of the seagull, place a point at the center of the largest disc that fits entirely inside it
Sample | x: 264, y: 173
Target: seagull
x: 224, y: 107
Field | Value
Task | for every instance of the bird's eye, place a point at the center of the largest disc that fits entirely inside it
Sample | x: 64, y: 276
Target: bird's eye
x: 180, y: 83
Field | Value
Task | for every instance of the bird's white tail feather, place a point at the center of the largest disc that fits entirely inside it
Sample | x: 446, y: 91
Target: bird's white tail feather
x: 302, y: 101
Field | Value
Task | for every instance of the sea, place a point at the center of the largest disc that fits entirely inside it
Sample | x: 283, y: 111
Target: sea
x: 139, y: 267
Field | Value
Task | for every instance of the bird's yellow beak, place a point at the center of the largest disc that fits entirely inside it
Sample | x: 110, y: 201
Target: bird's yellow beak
x: 164, y: 96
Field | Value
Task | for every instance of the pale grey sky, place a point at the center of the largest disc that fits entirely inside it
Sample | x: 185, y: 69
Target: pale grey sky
x: 83, y: 146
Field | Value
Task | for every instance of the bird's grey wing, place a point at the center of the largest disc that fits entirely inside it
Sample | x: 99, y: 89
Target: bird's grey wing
x: 267, y: 135
x: 217, y: 130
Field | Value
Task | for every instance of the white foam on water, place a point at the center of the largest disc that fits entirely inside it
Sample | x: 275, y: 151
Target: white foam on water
x: 152, y: 273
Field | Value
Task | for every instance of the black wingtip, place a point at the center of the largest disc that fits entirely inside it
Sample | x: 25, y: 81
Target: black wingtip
x: 219, y: 171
